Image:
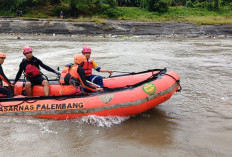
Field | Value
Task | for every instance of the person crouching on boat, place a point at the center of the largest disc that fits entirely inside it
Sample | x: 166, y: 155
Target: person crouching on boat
x: 8, y: 92
x: 31, y: 68
x: 73, y: 74
x: 89, y: 65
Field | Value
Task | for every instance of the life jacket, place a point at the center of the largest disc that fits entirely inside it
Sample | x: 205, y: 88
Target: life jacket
x: 69, y: 74
x: 32, y: 71
x: 88, y: 66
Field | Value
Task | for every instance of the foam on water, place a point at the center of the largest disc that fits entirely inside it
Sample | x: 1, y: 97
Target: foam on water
x: 44, y: 126
x: 101, y: 121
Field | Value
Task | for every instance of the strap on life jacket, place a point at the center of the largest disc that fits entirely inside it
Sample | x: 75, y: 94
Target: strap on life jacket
x: 3, y: 79
x: 32, y: 71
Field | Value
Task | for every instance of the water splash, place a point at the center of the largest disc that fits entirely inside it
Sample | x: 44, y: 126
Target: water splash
x: 101, y: 121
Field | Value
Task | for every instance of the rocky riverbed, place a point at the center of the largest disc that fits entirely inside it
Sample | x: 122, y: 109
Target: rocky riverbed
x: 110, y: 27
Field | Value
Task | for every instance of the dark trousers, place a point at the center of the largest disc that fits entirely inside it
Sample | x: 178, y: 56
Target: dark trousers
x: 7, y: 92
x: 96, y: 79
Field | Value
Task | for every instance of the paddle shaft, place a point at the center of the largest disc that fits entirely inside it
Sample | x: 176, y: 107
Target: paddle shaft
x: 93, y: 84
x: 121, y: 72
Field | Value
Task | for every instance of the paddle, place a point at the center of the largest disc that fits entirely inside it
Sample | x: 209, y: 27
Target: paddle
x: 93, y: 84
x: 125, y: 72
x: 96, y: 85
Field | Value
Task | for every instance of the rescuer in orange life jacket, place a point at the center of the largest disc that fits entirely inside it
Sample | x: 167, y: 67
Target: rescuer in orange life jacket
x: 89, y: 65
x: 74, y: 74
x: 3, y: 90
x: 31, y: 67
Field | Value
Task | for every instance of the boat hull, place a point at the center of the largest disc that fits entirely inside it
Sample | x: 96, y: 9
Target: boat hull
x: 122, y: 102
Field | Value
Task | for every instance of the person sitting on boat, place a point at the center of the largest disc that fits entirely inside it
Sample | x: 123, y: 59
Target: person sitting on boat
x: 89, y: 65
x: 31, y: 68
x: 73, y: 74
x: 8, y: 92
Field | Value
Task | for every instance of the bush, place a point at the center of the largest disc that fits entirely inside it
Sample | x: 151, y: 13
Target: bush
x: 173, y: 3
x: 129, y: 3
x: 178, y: 2
x: 55, y: 2
x: 113, y: 13
x: 225, y: 2
x: 63, y: 7
x: 201, y: 5
x: 216, y: 5
x: 161, y: 7
x: 38, y: 2
x: 155, y: 5
x: 230, y: 5
x: 88, y: 7
x: 12, y: 5
x: 210, y: 6
x: 213, y: 5
x: 152, y: 5
x: 198, y: 5
x: 189, y: 4
x: 111, y: 3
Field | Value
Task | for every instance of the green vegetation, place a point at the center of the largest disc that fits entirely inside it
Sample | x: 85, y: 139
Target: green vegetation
x: 197, y: 11
x: 179, y: 14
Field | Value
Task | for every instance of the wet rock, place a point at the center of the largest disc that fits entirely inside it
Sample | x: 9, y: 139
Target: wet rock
x: 112, y: 28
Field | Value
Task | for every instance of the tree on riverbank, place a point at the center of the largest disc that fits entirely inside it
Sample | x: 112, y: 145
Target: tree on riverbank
x: 102, y: 8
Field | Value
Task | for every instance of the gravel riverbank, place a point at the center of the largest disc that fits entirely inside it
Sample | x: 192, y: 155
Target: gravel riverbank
x: 43, y: 26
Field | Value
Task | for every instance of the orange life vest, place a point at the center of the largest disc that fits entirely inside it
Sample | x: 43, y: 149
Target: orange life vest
x: 88, y: 66
x: 69, y: 72
x: 73, y: 71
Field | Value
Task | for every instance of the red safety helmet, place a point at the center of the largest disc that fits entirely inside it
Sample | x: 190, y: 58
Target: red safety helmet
x: 86, y: 49
x: 26, y: 50
x: 2, y: 55
x: 78, y: 59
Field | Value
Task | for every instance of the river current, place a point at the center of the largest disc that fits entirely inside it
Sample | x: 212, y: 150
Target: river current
x: 195, y: 122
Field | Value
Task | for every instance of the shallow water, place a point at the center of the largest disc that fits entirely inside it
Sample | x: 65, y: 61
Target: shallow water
x: 195, y: 122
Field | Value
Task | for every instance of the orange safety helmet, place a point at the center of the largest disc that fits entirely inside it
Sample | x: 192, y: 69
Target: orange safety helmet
x: 78, y: 59
x: 86, y: 49
x: 2, y: 55
x: 26, y: 50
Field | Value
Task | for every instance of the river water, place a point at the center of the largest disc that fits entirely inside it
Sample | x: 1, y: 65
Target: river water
x: 195, y: 122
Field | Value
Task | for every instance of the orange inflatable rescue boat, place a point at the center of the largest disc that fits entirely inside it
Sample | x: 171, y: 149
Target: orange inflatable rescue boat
x: 123, y: 95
